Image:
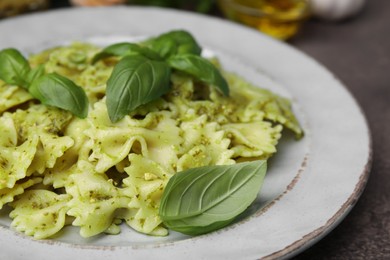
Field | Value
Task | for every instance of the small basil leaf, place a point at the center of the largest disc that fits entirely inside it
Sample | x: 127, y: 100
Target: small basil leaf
x: 201, y: 200
x: 174, y: 42
x: 201, y: 69
x: 135, y: 80
x: 58, y: 91
x: 164, y: 47
x: 13, y: 67
x: 123, y: 49
x: 35, y: 73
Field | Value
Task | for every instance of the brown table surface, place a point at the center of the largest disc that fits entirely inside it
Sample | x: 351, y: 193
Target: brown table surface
x: 357, y: 51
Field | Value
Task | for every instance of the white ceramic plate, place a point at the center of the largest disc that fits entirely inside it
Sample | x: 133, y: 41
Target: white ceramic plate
x: 311, y: 184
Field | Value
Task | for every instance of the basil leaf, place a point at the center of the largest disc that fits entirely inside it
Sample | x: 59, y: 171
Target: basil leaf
x: 201, y: 69
x: 123, y: 49
x: 13, y: 67
x: 201, y: 200
x: 164, y: 48
x: 135, y: 80
x: 58, y: 91
x: 174, y: 42
x: 35, y: 73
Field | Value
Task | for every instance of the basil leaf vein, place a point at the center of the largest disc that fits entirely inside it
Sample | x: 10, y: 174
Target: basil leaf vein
x: 135, y: 80
x: 55, y: 90
x: 201, y: 69
x: 201, y: 200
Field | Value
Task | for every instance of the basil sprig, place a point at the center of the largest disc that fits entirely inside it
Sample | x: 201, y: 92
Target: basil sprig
x: 51, y: 89
x: 134, y: 83
x: 135, y: 80
x: 200, y: 200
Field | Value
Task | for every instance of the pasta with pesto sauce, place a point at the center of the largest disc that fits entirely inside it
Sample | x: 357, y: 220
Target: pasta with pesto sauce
x: 57, y: 169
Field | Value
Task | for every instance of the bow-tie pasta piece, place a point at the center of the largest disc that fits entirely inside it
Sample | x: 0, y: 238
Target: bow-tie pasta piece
x: 39, y: 213
x: 47, y: 124
x: 156, y: 136
x: 262, y: 103
x: 8, y: 194
x: 249, y: 143
x: 193, y: 99
x: 54, y: 147
x: 95, y: 200
x: 65, y: 165
x: 113, y: 145
x: 148, y: 179
x: 163, y: 141
x: 49, y: 149
x: 11, y: 96
x: 14, y: 161
x: 204, y: 144
x: 40, y: 119
x: 9, y: 136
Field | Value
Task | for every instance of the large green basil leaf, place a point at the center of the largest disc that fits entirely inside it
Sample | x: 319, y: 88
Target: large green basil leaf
x: 13, y: 67
x: 201, y: 69
x: 200, y: 200
x: 174, y: 42
x: 124, y: 49
x: 58, y: 91
x: 135, y: 80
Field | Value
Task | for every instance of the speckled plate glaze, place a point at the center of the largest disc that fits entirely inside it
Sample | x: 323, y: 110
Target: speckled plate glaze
x: 311, y: 183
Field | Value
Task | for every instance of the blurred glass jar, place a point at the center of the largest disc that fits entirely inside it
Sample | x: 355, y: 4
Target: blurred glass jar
x: 15, y: 7
x: 97, y: 2
x: 281, y: 19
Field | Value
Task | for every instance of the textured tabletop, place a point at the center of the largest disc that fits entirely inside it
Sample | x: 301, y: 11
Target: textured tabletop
x: 357, y: 51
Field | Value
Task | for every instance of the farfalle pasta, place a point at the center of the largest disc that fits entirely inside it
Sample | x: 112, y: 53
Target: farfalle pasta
x: 100, y: 176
